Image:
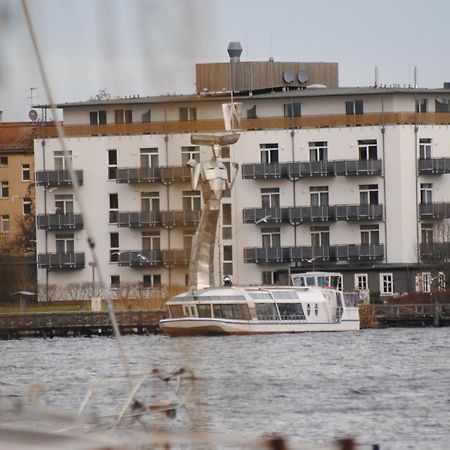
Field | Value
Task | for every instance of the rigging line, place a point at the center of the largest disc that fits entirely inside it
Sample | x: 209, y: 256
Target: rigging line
x: 76, y: 186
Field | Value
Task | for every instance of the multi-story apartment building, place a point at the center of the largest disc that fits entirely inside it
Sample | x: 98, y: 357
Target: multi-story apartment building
x: 348, y: 179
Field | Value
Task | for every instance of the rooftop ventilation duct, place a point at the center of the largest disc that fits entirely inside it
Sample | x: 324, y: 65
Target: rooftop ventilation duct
x: 234, y: 50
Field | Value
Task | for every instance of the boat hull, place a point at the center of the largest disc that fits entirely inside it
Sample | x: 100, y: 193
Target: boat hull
x: 218, y: 327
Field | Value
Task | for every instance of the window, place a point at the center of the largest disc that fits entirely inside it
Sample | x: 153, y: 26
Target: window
x: 353, y: 107
x: 225, y: 153
x: 442, y: 105
x: 4, y: 224
x: 60, y: 161
x: 368, y: 194
x: 147, y: 116
x: 112, y: 164
x: 251, y: 113
x: 386, y: 284
x: 115, y: 281
x: 425, y: 148
x: 270, y: 197
x: 64, y: 204
x: 269, y: 277
x: 426, y: 233
x: 421, y: 105
x: 271, y: 237
x: 191, y: 200
x: 113, y: 208
x: 320, y: 236
x: 122, y: 116
x: 65, y: 243
x: 151, y: 240
x: 361, y: 282
x: 4, y: 189
x: 149, y: 201
x: 319, y: 195
x: 269, y: 153
x: 149, y: 157
x: 26, y: 174
x: 441, y: 281
x: 26, y: 206
x: 3, y: 161
x: 367, y: 149
x: 318, y: 151
x: 152, y: 280
x: 426, y: 282
x: 227, y: 260
x: 426, y: 193
x: 370, y: 234
x: 292, y: 110
x: 188, y: 153
x: 188, y: 235
x: 188, y: 114
x: 226, y: 221
x: 114, y: 247
x: 97, y: 117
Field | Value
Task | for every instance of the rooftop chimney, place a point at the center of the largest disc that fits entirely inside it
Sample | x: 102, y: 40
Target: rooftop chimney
x: 234, y: 50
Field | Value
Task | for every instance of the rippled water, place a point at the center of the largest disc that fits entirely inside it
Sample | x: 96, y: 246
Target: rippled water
x: 388, y: 387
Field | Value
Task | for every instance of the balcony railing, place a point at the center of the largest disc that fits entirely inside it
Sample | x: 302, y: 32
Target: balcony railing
x: 217, y: 125
x: 434, y: 166
x: 435, y: 251
x: 296, y: 170
x: 165, y: 219
x: 53, y: 178
x: 434, y: 210
x: 347, y: 252
x: 61, y: 261
x: 52, y: 222
x: 166, y: 175
x: 310, y: 214
x: 146, y: 258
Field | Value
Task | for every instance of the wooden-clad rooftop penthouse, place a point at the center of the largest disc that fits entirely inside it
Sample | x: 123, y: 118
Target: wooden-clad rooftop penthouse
x: 248, y: 76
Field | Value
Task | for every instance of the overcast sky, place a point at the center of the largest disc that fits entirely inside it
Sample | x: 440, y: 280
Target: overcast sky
x: 150, y: 47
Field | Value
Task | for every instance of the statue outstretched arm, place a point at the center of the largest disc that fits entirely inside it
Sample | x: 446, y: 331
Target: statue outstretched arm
x: 195, y: 172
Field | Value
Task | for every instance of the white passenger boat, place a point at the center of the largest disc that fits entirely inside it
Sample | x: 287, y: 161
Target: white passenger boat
x: 314, y: 303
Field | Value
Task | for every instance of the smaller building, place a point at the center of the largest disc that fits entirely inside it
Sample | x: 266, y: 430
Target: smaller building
x: 17, y: 229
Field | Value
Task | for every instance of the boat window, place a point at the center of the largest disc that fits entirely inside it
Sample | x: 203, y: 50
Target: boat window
x: 266, y: 311
x: 316, y: 309
x: 193, y: 311
x: 310, y: 281
x: 291, y: 311
x: 336, y: 282
x: 284, y: 295
x: 323, y: 281
x: 308, y: 309
x: 204, y: 310
x: 176, y: 311
x: 260, y: 295
x: 231, y: 311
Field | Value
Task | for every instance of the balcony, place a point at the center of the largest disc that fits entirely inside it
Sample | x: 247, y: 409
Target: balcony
x: 55, y: 178
x: 435, y: 251
x: 346, y: 252
x: 434, y: 210
x: 149, y: 258
x: 165, y: 219
x: 358, y: 212
x: 61, y: 261
x: 165, y: 175
x: 55, y: 222
x: 311, y: 214
x: 434, y: 166
x: 297, y: 170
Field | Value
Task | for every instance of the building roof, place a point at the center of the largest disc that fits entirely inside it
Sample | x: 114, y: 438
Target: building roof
x: 309, y: 92
x: 16, y: 136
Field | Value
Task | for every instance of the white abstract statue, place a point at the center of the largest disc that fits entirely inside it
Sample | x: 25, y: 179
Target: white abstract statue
x: 213, y: 178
